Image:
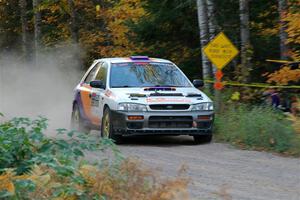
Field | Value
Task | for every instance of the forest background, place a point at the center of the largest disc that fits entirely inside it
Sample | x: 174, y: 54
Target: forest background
x: 171, y: 29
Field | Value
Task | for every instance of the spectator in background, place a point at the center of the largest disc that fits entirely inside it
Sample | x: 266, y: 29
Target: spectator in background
x: 272, y: 97
x: 275, y: 98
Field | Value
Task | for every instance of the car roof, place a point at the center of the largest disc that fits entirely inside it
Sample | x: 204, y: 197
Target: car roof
x: 128, y: 59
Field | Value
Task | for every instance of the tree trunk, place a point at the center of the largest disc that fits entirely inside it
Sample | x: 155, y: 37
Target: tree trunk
x: 245, y: 39
x: 282, y: 9
x: 204, y: 37
x: 37, y: 28
x: 211, y: 18
x: 74, y: 29
x: 24, y: 23
x: 212, y: 33
x: 73, y: 22
x: 212, y: 23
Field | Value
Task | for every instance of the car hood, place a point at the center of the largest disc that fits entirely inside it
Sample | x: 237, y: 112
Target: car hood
x: 186, y: 95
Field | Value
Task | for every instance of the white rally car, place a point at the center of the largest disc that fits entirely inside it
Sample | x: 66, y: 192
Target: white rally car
x: 141, y: 96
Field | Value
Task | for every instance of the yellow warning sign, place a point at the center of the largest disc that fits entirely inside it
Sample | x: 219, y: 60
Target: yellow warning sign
x: 220, y: 51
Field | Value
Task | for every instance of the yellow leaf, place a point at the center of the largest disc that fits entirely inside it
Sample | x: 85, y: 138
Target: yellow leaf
x: 235, y: 96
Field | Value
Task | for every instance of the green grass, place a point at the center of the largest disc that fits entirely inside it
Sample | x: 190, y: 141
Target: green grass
x: 257, y: 128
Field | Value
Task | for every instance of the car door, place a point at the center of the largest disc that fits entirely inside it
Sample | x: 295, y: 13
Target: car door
x: 98, y: 94
x: 86, y: 95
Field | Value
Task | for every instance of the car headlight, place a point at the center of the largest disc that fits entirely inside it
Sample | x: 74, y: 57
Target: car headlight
x: 132, y: 107
x: 203, y: 107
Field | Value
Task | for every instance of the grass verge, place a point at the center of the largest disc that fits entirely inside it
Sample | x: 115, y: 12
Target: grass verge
x: 258, y: 128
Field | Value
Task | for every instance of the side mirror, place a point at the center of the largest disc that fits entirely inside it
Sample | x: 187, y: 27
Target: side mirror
x: 97, y: 84
x: 198, y: 83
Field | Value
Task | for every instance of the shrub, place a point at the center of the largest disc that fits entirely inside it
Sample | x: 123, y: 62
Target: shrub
x: 257, y: 127
x: 296, y: 123
x: 33, y: 166
x: 23, y: 144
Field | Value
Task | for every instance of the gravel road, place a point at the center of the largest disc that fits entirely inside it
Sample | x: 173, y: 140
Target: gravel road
x: 219, y: 171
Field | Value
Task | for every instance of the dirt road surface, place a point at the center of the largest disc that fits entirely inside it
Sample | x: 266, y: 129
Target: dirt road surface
x: 219, y: 171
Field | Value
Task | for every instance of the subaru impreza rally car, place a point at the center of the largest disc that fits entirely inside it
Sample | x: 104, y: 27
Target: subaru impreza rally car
x: 141, y: 96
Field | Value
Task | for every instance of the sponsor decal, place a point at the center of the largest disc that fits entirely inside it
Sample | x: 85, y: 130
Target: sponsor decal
x: 95, y: 99
x: 110, y: 94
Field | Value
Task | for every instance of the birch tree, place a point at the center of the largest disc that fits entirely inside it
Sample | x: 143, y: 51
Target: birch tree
x: 212, y: 23
x: 204, y: 36
x: 245, y: 39
x: 211, y: 19
x: 24, y: 24
x: 212, y: 33
x: 282, y: 9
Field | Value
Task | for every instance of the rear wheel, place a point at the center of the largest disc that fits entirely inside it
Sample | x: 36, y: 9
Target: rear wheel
x: 77, y: 122
x: 107, y: 127
x: 202, y: 139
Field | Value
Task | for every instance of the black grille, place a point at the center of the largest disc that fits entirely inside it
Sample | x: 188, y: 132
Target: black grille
x: 204, y: 125
x: 170, y: 122
x: 135, y: 125
x: 170, y: 107
x: 193, y: 95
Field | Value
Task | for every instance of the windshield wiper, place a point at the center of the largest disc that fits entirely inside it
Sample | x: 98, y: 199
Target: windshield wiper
x: 165, y: 86
x: 151, y: 86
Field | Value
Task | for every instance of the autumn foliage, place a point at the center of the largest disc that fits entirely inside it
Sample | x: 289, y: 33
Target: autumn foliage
x: 167, y: 29
x: 129, y: 181
x: 284, y: 76
x: 293, y: 29
x: 125, y: 11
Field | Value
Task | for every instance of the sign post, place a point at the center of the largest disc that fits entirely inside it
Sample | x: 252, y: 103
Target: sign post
x: 220, y: 51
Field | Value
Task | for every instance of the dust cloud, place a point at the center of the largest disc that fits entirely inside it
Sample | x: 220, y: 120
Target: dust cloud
x: 44, y: 90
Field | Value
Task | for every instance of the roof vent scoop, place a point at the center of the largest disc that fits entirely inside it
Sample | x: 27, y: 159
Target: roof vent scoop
x: 139, y: 58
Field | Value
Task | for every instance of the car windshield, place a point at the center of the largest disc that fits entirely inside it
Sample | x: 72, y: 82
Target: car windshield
x: 151, y: 74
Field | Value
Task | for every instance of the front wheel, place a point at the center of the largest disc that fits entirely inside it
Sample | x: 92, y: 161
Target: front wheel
x: 107, y: 127
x: 202, y: 139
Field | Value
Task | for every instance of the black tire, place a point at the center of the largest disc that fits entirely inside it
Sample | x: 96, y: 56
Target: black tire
x: 203, y: 139
x: 77, y: 122
x: 107, y: 127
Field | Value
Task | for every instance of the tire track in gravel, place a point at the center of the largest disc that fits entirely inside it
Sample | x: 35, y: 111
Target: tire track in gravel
x: 218, y: 168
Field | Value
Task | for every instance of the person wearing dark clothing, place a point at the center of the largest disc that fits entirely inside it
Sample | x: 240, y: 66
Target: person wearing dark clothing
x: 272, y: 98
x: 275, y: 99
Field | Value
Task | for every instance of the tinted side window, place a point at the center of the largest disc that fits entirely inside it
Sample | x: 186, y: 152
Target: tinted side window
x: 102, y: 73
x: 92, y: 74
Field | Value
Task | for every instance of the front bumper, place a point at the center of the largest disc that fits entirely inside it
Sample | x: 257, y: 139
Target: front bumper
x: 163, y: 123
